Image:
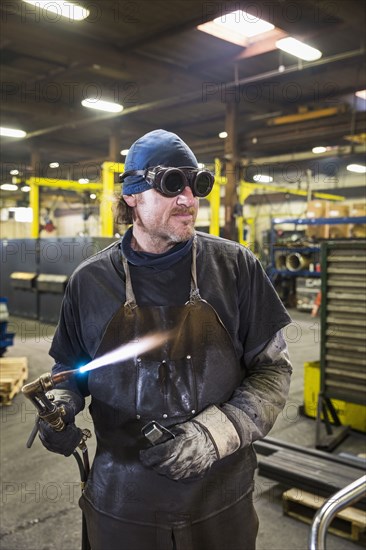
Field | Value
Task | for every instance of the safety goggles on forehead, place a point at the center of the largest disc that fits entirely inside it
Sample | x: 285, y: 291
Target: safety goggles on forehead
x: 170, y: 182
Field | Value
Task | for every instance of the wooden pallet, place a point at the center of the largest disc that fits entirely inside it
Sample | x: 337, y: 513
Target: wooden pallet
x: 13, y: 374
x: 350, y: 523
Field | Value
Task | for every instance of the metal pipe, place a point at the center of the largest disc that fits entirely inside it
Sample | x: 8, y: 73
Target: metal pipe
x: 270, y: 445
x: 297, y: 262
x: 345, y: 497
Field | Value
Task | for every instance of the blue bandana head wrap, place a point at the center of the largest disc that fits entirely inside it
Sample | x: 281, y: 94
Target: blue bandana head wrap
x: 157, y: 148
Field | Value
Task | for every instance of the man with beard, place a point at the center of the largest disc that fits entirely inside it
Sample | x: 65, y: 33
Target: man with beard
x: 174, y: 464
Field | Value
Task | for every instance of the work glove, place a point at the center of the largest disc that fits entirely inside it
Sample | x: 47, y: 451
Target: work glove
x: 65, y: 441
x: 197, y: 445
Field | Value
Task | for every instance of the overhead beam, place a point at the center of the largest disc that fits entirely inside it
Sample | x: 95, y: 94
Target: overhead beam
x: 131, y: 65
x: 197, y: 95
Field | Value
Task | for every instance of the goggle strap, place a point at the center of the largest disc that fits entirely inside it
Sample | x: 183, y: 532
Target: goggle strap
x: 132, y: 173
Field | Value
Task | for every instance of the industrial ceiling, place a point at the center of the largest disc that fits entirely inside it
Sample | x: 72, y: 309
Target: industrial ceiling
x: 150, y: 57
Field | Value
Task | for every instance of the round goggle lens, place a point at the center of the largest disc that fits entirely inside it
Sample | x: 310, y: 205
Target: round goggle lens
x: 174, y: 183
x: 203, y: 184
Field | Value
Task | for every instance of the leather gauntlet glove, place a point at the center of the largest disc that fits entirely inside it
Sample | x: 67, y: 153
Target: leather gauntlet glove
x: 66, y: 441
x: 198, y: 443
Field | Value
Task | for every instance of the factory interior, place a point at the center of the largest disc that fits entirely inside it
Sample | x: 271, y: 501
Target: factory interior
x: 270, y: 96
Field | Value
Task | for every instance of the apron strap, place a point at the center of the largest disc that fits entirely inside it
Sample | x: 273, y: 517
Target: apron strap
x: 194, y: 294
x: 130, y: 296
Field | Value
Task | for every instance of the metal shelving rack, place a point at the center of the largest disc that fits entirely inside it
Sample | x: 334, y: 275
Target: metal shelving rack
x: 343, y: 333
x: 315, y: 250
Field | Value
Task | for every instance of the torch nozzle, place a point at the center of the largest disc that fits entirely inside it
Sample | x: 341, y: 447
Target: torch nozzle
x: 59, y: 377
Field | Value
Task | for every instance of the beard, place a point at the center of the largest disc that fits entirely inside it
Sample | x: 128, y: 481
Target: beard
x: 183, y: 231
x: 166, y: 229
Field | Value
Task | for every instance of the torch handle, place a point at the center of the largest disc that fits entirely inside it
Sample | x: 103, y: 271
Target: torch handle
x: 33, y: 434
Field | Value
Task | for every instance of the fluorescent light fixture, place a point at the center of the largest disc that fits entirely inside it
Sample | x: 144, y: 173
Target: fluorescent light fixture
x: 124, y: 152
x: 223, y: 135
x: 14, y: 172
x: 298, y: 49
x: 261, y: 178
x: 318, y: 150
x: 83, y: 180
x: 12, y: 132
x: 25, y: 188
x: 92, y: 196
x: 53, y: 165
x: 361, y: 94
x: 71, y: 11
x: 100, y: 105
x: 357, y: 168
x: 243, y: 23
x: 8, y: 187
x: 201, y: 165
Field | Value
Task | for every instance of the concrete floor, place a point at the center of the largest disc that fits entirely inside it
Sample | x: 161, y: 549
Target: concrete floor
x: 40, y: 490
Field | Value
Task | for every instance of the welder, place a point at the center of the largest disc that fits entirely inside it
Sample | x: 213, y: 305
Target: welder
x: 174, y: 464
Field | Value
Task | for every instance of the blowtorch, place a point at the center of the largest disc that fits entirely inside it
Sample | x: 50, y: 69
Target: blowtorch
x: 48, y: 411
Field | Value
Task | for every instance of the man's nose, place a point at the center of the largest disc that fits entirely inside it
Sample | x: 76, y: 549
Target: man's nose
x: 186, y: 197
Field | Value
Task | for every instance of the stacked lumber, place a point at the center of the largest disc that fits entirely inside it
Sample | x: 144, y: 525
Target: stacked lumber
x: 350, y: 523
x: 13, y: 374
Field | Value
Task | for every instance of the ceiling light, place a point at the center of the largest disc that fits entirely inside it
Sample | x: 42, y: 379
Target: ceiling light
x: 25, y: 188
x: 12, y: 132
x: 8, y: 187
x: 54, y: 165
x: 298, y: 49
x: 261, y: 178
x: 201, y: 165
x: 93, y: 196
x: 124, y: 152
x: 100, y: 105
x: 243, y: 23
x: 318, y: 150
x: 83, y: 180
x: 73, y: 12
x: 14, y: 172
x: 223, y: 135
x: 357, y: 168
x: 361, y: 94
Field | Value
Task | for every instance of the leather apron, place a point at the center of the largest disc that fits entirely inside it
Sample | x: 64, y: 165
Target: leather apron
x: 170, y: 384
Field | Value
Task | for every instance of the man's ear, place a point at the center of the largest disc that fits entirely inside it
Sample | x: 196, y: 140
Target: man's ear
x: 130, y: 200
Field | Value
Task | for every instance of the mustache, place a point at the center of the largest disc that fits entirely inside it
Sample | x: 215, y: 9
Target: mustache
x: 184, y: 210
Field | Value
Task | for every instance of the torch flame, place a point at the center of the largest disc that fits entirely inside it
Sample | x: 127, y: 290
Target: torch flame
x: 126, y: 351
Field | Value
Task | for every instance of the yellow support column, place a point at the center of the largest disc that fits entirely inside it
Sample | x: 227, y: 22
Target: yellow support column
x: 108, y: 171
x: 214, y: 198
x: 244, y: 192
x: 34, y: 204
